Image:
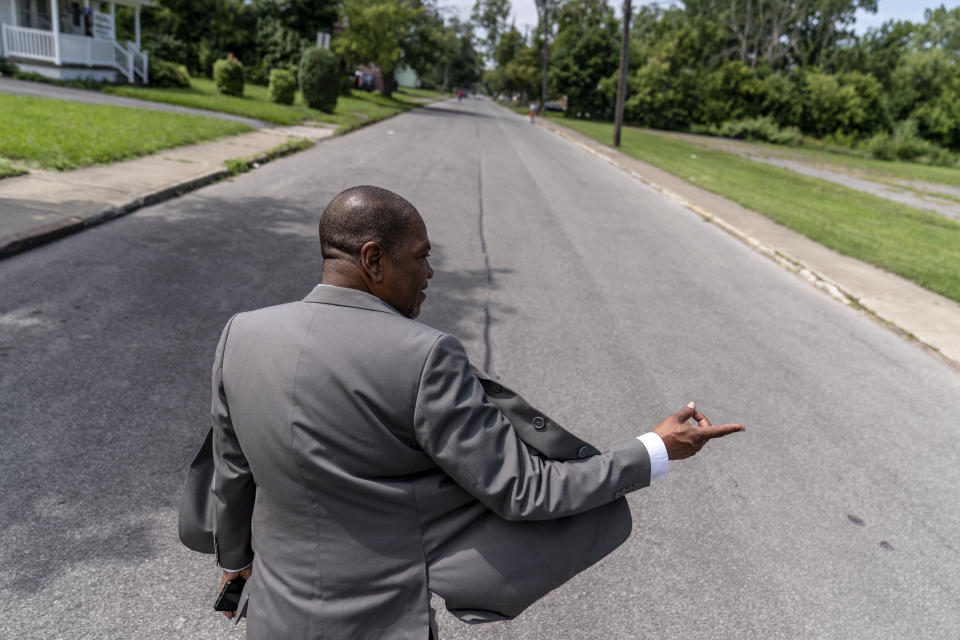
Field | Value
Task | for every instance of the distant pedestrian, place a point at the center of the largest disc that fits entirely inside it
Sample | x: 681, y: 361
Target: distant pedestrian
x: 533, y: 113
x: 459, y: 95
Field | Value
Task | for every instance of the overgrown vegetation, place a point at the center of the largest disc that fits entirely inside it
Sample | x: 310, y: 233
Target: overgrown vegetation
x: 8, y: 170
x: 54, y: 134
x: 237, y: 166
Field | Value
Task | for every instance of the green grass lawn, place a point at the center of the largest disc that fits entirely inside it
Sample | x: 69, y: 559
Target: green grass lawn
x: 54, y: 134
x: 920, y: 246
x: 358, y: 108
x: 863, y: 165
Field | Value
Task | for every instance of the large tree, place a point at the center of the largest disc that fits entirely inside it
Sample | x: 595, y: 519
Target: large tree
x: 376, y: 32
x: 491, y: 16
x: 585, y: 51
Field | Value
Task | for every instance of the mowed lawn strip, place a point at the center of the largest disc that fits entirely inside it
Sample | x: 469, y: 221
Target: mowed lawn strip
x: 862, y: 166
x: 918, y: 245
x: 55, y: 134
x: 359, y: 107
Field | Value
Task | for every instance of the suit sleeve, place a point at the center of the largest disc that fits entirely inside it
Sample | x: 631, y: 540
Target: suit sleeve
x: 233, y: 487
x: 474, y: 443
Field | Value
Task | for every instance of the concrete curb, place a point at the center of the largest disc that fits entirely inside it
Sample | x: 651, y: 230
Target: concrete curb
x: 18, y: 242
x: 783, y: 259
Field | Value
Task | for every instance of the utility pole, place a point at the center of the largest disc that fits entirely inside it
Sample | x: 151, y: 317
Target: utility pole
x: 624, y: 64
x: 543, y: 8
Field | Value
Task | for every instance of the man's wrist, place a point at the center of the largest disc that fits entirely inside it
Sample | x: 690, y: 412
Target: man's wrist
x: 225, y: 570
x: 659, y: 460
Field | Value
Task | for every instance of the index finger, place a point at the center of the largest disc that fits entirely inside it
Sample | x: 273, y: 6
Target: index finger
x: 720, y: 430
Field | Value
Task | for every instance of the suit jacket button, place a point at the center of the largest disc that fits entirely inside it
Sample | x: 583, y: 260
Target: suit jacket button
x: 584, y: 451
x: 539, y: 423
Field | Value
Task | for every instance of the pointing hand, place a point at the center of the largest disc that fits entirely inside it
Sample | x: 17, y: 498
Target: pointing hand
x: 683, y: 439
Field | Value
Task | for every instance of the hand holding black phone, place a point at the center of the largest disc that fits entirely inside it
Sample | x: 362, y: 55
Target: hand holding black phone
x: 229, y: 597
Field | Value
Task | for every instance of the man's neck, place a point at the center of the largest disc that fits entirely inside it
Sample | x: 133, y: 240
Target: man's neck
x: 339, y: 274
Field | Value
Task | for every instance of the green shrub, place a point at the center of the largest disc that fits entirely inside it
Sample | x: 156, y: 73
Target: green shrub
x: 319, y: 79
x: 257, y: 74
x: 168, y: 74
x: 7, y: 68
x: 283, y: 86
x: 228, y: 76
x: 905, y: 144
x: 763, y: 129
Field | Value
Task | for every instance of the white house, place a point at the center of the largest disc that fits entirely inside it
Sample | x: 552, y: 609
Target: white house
x: 68, y: 40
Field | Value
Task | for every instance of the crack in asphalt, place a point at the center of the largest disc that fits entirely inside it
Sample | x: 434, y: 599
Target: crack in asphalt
x: 487, y: 319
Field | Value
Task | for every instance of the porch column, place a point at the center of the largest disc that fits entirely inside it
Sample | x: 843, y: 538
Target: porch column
x: 89, y: 41
x: 55, y: 19
x: 113, y: 21
x: 136, y: 25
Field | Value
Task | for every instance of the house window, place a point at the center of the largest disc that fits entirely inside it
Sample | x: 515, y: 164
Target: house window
x: 34, y: 14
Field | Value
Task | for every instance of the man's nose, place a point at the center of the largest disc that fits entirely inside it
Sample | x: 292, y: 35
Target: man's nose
x: 429, y: 271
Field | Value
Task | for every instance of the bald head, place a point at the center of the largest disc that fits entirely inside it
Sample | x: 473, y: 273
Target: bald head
x: 363, y: 214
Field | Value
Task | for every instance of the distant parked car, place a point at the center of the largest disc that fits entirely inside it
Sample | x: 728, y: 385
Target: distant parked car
x: 364, y: 81
x: 552, y: 105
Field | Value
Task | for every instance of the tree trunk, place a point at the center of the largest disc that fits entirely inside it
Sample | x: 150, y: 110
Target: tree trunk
x: 389, y: 84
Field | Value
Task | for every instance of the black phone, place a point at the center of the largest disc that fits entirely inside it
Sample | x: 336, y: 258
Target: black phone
x: 229, y: 596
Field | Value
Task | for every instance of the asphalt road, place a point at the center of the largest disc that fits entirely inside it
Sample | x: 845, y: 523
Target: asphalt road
x: 834, y: 516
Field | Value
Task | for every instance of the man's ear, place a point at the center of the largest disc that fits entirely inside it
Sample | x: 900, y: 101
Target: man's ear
x: 372, y: 257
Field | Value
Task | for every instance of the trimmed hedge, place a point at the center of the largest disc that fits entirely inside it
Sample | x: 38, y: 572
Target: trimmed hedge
x: 168, y: 74
x: 283, y: 86
x: 228, y: 76
x: 319, y: 79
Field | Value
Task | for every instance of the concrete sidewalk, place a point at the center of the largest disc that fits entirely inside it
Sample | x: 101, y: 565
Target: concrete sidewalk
x: 918, y: 314
x: 45, y: 205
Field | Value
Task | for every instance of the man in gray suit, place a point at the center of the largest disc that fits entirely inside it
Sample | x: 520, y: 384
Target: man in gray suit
x: 361, y: 463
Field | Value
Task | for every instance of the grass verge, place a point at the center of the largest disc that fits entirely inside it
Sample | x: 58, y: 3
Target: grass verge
x: 351, y: 110
x: 55, y: 134
x: 237, y: 166
x: 861, y: 165
x: 7, y: 170
x: 918, y: 245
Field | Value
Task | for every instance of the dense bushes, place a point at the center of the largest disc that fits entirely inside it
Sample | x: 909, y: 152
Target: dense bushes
x: 763, y: 129
x: 319, y: 79
x: 228, y: 76
x: 905, y: 144
x: 283, y: 86
x: 167, y: 74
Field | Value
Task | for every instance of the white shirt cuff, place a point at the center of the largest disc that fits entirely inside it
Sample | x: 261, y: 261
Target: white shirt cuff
x: 659, y: 461
x: 236, y: 570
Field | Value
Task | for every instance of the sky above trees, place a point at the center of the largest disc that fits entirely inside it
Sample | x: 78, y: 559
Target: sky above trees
x: 525, y: 11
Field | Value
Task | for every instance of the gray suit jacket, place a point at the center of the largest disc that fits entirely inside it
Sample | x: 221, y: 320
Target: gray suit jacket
x: 360, y: 464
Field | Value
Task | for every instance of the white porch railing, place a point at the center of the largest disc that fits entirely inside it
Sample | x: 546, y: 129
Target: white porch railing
x: 37, y: 44
x: 34, y: 44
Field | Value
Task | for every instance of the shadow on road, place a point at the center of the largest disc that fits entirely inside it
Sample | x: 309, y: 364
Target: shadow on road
x: 108, y: 338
